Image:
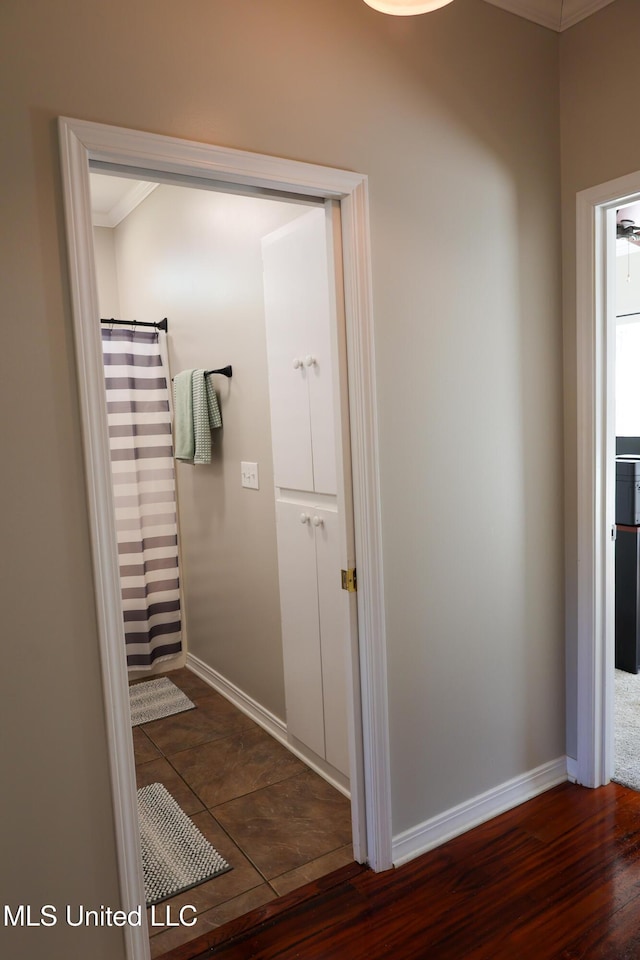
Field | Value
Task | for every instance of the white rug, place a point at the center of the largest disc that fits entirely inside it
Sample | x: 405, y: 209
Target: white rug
x: 175, y: 855
x: 627, y: 729
x: 154, y: 699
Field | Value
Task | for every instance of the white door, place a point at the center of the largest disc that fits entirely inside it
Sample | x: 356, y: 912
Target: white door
x: 315, y: 628
x: 300, y: 624
x: 298, y: 317
x: 333, y: 609
x: 305, y: 351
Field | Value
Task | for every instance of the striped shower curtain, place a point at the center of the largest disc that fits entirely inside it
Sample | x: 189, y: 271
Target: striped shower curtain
x: 142, y: 468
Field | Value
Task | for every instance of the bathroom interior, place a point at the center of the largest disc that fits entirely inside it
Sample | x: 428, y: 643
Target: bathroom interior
x: 257, y: 631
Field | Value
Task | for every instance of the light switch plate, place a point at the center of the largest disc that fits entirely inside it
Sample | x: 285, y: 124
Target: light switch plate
x: 249, y: 475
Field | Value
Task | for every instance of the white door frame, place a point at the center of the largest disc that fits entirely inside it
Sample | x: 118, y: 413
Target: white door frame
x: 82, y: 142
x: 595, y: 342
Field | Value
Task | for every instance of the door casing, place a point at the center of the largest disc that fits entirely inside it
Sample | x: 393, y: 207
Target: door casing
x: 595, y: 569
x: 137, y: 153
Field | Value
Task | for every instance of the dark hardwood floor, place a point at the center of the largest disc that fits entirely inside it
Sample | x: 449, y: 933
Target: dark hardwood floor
x: 557, y: 878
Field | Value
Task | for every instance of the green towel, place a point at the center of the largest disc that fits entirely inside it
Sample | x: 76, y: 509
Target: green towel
x: 206, y: 415
x: 183, y: 433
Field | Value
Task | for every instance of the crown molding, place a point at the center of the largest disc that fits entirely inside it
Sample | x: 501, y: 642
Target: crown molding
x: 575, y: 10
x: 555, y: 14
x: 131, y: 199
x: 544, y: 12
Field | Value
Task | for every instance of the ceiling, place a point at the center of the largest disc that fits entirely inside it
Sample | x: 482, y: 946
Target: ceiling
x: 114, y: 197
x: 556, y: 14
x: 624, y: 246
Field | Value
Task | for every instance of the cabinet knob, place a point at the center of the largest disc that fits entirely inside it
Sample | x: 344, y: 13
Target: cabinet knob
x: 304, y: 518
x: 297, y: 363
x: 310, y: 361
x: 318, y: 522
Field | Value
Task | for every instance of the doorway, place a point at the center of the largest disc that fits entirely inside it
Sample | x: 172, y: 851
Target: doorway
x: 170, y: 160
x: 596, y: 476
x: 626, y: 767
x: 269, y: 675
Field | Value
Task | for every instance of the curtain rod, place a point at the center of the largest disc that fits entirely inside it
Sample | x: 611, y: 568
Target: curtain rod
x: 161, y: 325
x: 619, y: 316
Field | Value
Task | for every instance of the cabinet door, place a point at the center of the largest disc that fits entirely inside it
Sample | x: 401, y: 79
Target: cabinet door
x: 333, y: 606
x: 320, y: 369
x: 300, y: 625
x: 298, y: 316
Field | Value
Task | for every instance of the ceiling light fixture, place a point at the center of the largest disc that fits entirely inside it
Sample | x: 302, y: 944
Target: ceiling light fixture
x: 406, y: 8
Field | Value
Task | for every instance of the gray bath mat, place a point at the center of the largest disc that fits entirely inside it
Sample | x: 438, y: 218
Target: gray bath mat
x: 175, y: 855
x: 156, y: 698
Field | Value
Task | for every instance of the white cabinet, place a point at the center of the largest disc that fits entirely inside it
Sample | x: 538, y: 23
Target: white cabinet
x: 333, y: 611
x: 315, y: 623
x: 298, y: 271
x: 298, y: 316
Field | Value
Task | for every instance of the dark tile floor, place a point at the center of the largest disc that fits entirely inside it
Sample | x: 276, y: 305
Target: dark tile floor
x: 276, y: 822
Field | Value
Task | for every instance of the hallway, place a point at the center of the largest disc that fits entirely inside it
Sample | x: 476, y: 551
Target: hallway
x: 557, y: 878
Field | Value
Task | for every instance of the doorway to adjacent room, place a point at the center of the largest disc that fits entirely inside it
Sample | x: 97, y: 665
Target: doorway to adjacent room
x: 596, y: 312
x: 85, y: 144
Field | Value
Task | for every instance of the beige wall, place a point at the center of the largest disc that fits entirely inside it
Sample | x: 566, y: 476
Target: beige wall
x: 106, y: 272
x: 600, y: 141
x: 195, y: 256
x: 454, y: 117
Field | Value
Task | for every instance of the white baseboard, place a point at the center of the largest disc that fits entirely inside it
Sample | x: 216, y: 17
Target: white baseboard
x: 572, y: 770
x: 267, y: 720
x: 424, y: 837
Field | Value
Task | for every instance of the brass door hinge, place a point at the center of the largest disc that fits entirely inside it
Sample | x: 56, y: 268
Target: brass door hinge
x: 349, y: 581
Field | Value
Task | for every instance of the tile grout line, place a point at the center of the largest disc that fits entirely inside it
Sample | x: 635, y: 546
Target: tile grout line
x: 168, y: 757
x: 209, y: 810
